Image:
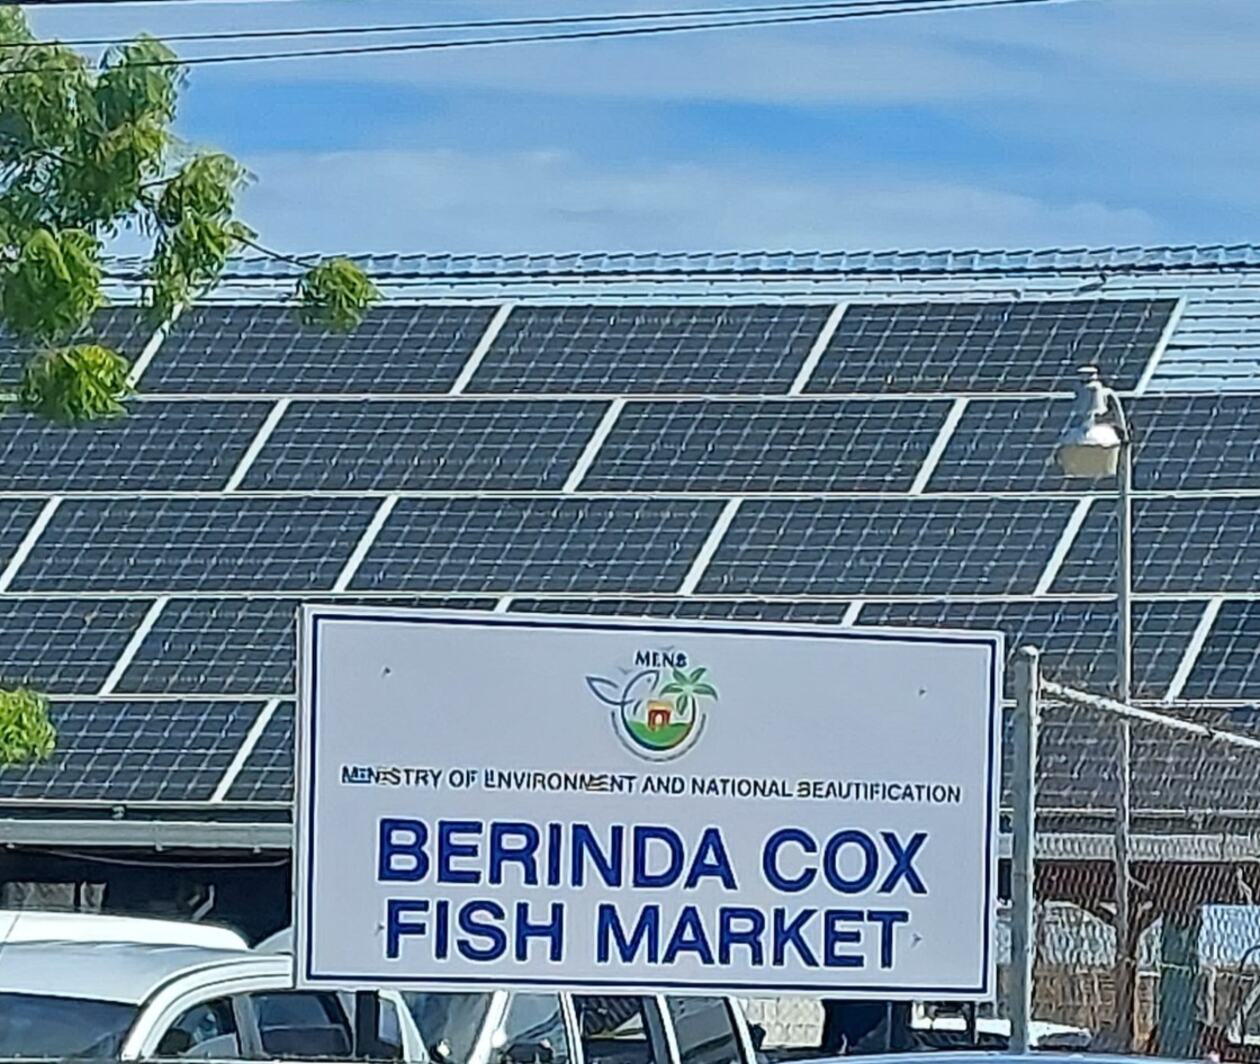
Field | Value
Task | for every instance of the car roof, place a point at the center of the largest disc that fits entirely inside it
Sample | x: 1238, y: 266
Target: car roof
x: 33, y: 925
x: 1000, y: 1057
x: 125, y: 972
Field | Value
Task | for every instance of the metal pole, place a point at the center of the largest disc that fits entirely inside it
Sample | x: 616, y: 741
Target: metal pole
x: 1023, y: 831
x: 1125, y: 968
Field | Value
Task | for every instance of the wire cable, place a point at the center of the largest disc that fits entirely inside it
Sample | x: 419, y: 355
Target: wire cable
x: 426, y: 27
x: 579, y: 35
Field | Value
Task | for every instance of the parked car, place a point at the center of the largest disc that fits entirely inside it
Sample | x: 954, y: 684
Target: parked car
x: 133, y: 1001
x: 33, y: 925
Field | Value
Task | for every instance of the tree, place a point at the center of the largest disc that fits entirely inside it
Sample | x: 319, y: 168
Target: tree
x: 87, y: 152
x: 690, y: 688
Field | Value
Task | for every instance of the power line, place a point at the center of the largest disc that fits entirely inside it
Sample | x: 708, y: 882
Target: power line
x: 635, y: 31
x: 425, y: 27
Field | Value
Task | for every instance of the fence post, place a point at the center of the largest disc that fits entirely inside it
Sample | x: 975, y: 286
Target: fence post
x: 1023, y: 839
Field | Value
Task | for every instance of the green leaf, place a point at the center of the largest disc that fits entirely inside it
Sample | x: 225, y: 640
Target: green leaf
x: 673, y: 689
x: 75, y: 385
x: 335, y: 294
x: 679, y: 676
x: 53, y: 287
x: 706, y: 690
x: 695, y: 676
x: 26, y: 732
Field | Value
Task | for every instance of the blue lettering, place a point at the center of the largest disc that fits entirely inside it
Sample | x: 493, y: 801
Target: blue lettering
x: 835, y: 936
x: 554, y: 854
x: 887, y: 920
x: 643, y: 834
x: 400, y: 850
x: 398, y: 927
x: 552, y: 931
x: 754, y: 921
x: 479, y: 929
x: 689, y: 937
x: 903, y: 858
x: 607, y: 865
x: 784, y: 934
x: 609, y: 932
x: 449, y: 849
x: 711, y: 860
x: 831, y: 862
x: 769, y: 860
x: 523, y: 853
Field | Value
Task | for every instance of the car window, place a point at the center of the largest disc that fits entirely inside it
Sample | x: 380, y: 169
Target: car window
x: 301, y: 1026
x: 533, y: 1032
x: 704, y: 1029
x: 39, y: 1025
x: 206, y: 1031
x: 449, y: 1023
x: 618, y: 1030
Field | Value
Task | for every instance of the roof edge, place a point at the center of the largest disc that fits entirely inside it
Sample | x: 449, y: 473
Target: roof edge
x: 1134, y: 259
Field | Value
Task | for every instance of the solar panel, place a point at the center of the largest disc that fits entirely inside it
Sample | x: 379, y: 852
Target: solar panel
x: 535, y: 545
x: 234, y: 646
x: 267, y: 775
x: 886, y: 546
x: 16, y: 518
x: 134, y: 752
x: 1180, y: 545
x: 265, y: 350
x: 192, y: 544
x: 1183, y: 443
x: 989, y: 346
x: 655, y: 348
x: 1077, y: 640
x: 466, y: 445
x: 123, y: 329
x: 827, y: 612
x: 64, y: 646
x: 1228, y: 666
x: 190, y: 446
x: 767, y: 445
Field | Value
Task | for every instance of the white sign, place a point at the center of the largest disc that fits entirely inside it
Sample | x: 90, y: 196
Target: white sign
x: 513, y: 800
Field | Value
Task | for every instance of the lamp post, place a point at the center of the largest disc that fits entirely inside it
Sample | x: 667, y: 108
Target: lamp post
x: 1096, y: 444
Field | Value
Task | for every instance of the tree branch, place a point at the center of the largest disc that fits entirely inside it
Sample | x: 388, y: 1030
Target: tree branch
x: 305, y: 261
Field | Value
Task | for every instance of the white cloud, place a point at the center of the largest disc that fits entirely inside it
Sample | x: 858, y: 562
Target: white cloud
x: 556, y: 201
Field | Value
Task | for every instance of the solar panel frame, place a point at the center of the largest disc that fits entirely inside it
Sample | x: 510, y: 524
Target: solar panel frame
x: 828, y: 611
x: 265, y: 350
x: 169, y: 545
x: 967, y: 346
x: 910, y: 546
x: 397, y: 445
x: 767, y: 445
x: 726, y: 348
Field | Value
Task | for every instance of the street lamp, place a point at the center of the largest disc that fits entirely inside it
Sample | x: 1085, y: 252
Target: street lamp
x: 1095, y: 445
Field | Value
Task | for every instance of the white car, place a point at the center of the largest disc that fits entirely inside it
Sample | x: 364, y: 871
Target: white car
x: 34, y: 925
x: 130, y: 1001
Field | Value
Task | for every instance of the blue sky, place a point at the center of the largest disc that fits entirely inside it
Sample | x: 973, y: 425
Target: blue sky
x: 1092, y: 122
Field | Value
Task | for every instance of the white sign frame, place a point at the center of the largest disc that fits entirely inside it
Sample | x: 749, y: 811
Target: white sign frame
x: 316, y: 621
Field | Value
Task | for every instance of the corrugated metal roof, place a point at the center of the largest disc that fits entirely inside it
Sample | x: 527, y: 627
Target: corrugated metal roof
x: 1214, y: 347
x: 1054, y: 260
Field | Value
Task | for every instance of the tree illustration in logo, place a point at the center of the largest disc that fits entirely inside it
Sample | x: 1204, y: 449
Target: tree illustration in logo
x: 687, y: 689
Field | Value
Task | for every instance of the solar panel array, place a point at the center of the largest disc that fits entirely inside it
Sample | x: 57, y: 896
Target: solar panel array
x: 883, y: 463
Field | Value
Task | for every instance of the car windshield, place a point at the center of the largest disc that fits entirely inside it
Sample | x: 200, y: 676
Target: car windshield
x: 37, y: 1025
x: 449, y: 1023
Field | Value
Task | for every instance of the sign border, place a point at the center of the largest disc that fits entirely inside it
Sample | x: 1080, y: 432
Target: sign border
x: 310, y: 617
